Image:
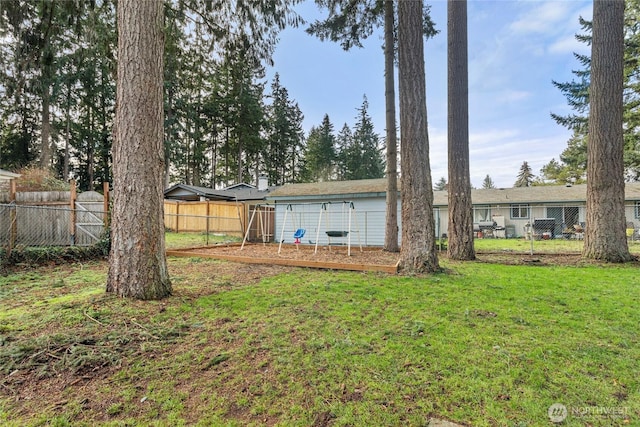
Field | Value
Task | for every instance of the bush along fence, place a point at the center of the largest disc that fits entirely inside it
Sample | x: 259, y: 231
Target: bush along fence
x: 45, y: 219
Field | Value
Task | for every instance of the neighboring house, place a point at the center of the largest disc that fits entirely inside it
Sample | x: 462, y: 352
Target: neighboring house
x: 238, y: 192
x: 511, y: 208
x: 188, y: 208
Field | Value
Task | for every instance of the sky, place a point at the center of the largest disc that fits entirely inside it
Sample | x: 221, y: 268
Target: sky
x: 516, y: 49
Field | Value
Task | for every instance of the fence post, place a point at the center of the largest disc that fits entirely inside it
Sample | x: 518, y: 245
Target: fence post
x: 13, y: 234
x: 72, y: 216
x: 177, y: 215
x: 207, y: 226
x: 240, y: 217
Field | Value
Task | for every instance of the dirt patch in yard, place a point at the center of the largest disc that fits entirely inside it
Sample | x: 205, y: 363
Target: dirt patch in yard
x: 367, y: 259
x: 335, y: 257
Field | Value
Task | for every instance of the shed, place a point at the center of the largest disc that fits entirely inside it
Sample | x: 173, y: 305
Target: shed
x: 7, y: 176
x: 5, y: 184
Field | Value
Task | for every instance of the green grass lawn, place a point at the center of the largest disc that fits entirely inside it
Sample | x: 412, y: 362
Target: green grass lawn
x: 519, y: 245
x: 556, y: 246
x: 482, y: 344
x: 188, y: 240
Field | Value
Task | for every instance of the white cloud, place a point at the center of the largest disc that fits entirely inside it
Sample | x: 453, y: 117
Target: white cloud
x: 543, y: 18
x: 511, y: 96
x: 568, y: 45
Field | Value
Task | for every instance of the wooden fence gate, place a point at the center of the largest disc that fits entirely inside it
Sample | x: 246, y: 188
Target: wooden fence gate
x: 263, y: 224
x: 89, y: 223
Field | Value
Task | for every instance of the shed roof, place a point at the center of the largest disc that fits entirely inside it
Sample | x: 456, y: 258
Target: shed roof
x: 362, y: 187
x: 377, y: 187
x: 6, y: 175
x: 240, y: 192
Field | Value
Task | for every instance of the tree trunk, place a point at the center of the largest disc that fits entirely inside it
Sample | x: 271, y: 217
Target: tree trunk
x: 67, y: 138
x: 45, y: 144
x: 460, y: 227
x: 137, y: 263
x: 240, y: 165
x: 91, y: 148
x: 605, y: 236
x: 418, y: 253
x: 391, y: 230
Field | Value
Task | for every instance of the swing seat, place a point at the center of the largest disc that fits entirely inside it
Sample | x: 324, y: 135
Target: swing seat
x: 337, y: 233
x: 299, y: 234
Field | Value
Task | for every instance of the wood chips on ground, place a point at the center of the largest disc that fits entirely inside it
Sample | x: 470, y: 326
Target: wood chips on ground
x: 369, y: 259
x: 334, y: 257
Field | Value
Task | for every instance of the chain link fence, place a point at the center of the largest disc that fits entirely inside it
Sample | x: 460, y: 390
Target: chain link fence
x: 514, y: 228
x: 41, y: 226
x: 541, y: 229
x: 186, y: 231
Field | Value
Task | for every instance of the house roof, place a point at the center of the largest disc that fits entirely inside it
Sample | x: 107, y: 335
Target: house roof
x: 6, y: 175
x: 495, y: 196
x: 318, y: 190
x: 240, y: 192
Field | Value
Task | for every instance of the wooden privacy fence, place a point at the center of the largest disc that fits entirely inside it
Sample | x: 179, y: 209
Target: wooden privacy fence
x: 220, y: 217
x: 205, y: 216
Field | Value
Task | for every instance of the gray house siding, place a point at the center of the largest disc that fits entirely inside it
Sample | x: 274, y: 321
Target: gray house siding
x: 518, y: 206
x: 367, y: 220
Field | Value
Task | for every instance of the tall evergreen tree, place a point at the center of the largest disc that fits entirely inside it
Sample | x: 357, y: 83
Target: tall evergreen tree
x: 573, y: 159
x: 359, y: 153
x: 391, y: 139
x: 320, y: 155
x: 73, y: 44
x: 37, y: 31
x: 285, y: 136
x: 418, y: 252
x: 525, y: 176
x: 460, y: 209
x: 441, y: 185
x: 298, y: 147
x: 487, y: 183
x: 349, y: 22
x: 605, y: 236
x: 344, y: 140
x: 137, y: 262
x: 366, y: 146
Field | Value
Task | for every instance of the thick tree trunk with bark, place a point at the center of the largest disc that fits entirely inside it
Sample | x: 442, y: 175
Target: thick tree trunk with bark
x: 460, y: 227
x: 137, y: 263
x: 418, y: 252
x: 605, y: 236
x: 391, y: 230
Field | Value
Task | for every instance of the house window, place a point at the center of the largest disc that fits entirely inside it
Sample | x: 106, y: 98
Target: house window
x: 519, y: 211
x: 637, y: 210
x: 481, y: 213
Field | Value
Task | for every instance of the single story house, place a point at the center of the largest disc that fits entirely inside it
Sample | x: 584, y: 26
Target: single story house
x: 501, y: 212
x: 200, y: 209
x: 238, y: 192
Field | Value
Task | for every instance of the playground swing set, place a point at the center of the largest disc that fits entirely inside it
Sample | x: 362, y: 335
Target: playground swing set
x: 348, y: 226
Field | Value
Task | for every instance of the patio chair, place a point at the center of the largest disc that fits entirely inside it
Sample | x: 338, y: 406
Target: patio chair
x: 631, y: 231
